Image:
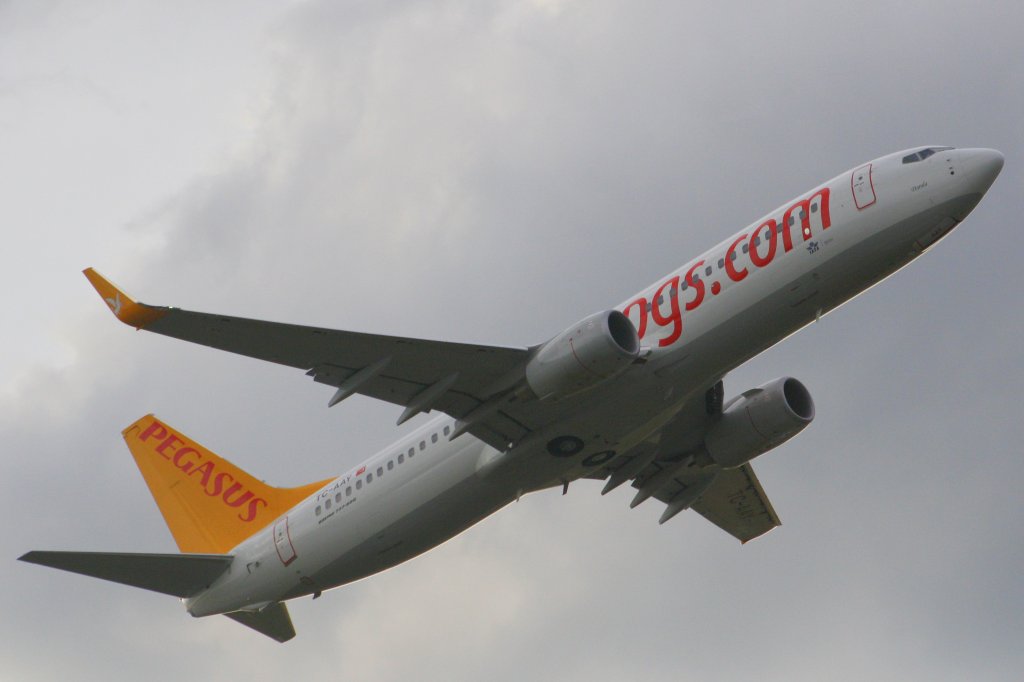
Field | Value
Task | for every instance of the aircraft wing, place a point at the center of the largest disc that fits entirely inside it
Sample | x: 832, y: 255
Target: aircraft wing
x: 735, y: 502
x: 418, y: 374
x: 673, y: 468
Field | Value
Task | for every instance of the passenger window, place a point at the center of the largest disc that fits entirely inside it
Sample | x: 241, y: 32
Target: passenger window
x: 757, y: 242
x: 380, y: 471
x: 337, y: 498
x: 433, y: 438
x: 673, y: 294
x: 412, y: 451
x: 369, y: 479
x: 745, y: 249
x: 814, y: 208
x: 732, y: 255
x: 327, y: 504
x: 401, y: 458
x: 721, y: 263
x: 391, y: 465
x: 682, y: 287
x: 348, y: 491
x: 707, y: 271
x: 446, y: 430
x: 423, y: 445
x: 318, y: 510
x: 359, y: 484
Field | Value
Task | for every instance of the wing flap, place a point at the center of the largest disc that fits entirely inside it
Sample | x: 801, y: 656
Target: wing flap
x: 737, y: 504
x: 179, y: 575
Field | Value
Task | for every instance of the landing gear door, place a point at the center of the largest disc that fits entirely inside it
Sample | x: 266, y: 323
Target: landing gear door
x: 283, y: 542
x: 863, y: 187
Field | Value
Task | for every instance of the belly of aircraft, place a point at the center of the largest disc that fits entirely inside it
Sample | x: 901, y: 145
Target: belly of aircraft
x: 452, y: 512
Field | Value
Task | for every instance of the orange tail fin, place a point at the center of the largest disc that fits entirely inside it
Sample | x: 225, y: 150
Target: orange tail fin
x: 209, y: 504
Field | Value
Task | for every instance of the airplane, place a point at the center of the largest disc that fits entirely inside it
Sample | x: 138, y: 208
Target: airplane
x: 630, y: 394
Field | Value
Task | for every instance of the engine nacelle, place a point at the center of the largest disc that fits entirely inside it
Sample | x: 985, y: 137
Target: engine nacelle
x: 759, y: 420
x: 591, y: 351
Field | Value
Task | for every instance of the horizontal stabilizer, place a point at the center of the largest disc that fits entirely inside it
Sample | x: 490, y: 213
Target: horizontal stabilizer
x: 179, y: 575
x: 272, y: 621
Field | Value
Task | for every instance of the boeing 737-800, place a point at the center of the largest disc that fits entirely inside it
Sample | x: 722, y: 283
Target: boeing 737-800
x: 630, y: 394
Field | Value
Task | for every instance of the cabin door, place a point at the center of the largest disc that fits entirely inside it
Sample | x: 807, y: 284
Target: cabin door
x: 283, y: 542
x: 863, y: 188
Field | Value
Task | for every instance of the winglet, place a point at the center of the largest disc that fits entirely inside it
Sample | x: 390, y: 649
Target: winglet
x: 130, y: 312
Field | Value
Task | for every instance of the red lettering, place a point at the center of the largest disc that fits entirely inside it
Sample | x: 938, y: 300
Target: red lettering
x: 804, y: 207
x: 185, y: 466
x: 250, y: 513
x: 168, y: 442
x: 218, y: 484
x: 734, y: 274
x: 773, y: 240
x: 215, y: 484
x: 675, y: 317
x: 826, y: 216
x: 693, y: 281
x: 787, y: 237
x: 768, y: 231
x: 155, y: 429
x: 235, y: 488
x: 205, y: 469
x: 641, y: 327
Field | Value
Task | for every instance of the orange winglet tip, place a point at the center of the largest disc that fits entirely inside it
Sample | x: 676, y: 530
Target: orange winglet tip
x: 130, y: 312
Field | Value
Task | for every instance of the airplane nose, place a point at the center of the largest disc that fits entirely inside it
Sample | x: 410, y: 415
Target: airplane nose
x: 982, y: 167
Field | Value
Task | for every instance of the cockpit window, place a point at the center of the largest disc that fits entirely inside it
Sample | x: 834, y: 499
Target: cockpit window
x: 923, y: 154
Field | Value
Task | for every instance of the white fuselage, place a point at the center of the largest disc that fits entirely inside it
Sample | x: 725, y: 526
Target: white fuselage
x: 699, y: 322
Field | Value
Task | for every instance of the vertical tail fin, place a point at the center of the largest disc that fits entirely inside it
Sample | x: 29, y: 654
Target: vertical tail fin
x: 209, y: 504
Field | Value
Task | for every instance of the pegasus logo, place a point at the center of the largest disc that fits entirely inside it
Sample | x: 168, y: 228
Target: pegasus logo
x: 210, y: 478
x: 115, y: 304
x: 795, y: 219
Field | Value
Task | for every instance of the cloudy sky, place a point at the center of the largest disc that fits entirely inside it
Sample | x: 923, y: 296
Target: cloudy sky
x: 491, y: 172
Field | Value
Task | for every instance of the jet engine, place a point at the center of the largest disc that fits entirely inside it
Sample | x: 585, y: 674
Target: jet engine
x: 589, y: 352
x: 759, y: 420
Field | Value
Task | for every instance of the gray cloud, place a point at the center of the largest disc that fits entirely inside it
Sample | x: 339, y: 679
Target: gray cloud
x: 492, y: 172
